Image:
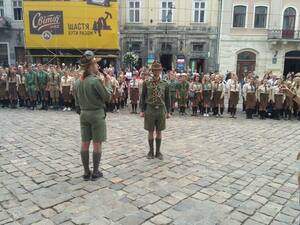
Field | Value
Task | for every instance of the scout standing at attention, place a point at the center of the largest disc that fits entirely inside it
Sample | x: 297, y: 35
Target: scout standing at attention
x: 31, y: 86
x: 91, y: 93
x: 42, y: 80
x: 155, y: 105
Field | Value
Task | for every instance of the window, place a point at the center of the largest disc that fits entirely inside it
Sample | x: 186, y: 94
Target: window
x: 199, y: 11
x: 289, y: 20
x: 134, y: 11
x: 261, y: 14
x: 18, y: 12
x: 1, y: 8
x: 198, y: 47
x: 239, y: 16
x: 4, y: 61
x: 167, y: 11
x: 167, y: 47
x: 134, y: 46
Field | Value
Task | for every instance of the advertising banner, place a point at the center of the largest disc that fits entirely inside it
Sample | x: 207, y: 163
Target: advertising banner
x: 91, y: 24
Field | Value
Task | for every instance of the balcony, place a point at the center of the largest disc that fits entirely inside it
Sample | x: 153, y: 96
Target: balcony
x: 284, y: 35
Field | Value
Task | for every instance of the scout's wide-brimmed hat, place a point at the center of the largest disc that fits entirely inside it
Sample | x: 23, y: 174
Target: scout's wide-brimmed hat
x: 88, y: 58
x: 156, y: 66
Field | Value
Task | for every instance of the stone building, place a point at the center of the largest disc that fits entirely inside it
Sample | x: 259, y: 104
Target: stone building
x: 183, y: 35
x: 260, y: 35
x: 11, y: 32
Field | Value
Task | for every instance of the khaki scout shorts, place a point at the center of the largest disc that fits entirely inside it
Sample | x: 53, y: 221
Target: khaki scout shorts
x: 155, y: 119
x: 93, y: 125
x: 54, y: 93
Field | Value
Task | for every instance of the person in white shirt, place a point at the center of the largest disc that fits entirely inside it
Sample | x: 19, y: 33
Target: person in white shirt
x: 66, y: 90
x: 263, y: 98
x: 249, y: 91
x: 233, y: 94
x: 278, y: 98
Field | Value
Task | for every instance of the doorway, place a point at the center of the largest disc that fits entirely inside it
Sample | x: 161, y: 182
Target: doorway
x: 166, y: 61
x: 197, y: 65
x: 292, y: 62
x: 246, y: 62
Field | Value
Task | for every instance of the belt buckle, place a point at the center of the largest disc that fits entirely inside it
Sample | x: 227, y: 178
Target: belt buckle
x: 156, y: 107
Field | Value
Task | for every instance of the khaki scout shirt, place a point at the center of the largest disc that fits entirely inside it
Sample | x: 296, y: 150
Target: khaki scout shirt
x: 91, y: 94
x: 153, y: 95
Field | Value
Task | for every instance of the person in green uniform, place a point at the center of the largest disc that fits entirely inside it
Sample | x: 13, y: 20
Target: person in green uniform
x: 42, y: 80
x: 53, y: 86
x: 155, y: 106
x: 91, y: 93
x: 182, y: 93
x: 172, y: 88
x: 31, y: 86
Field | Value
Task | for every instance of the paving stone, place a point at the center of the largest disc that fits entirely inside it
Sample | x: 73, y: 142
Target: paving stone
x: 225, y: 175
x: 44, y: 222
x: 161, y: 220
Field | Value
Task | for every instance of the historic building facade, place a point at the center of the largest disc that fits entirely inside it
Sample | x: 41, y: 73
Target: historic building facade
x: 11, y: 32
x: 183, y: 35
x: 260, y: 35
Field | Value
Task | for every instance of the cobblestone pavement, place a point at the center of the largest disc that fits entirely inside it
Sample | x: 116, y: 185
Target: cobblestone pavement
x: 216, y: 171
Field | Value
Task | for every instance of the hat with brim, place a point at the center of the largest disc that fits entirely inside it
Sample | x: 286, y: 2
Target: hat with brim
x: 156, y: 66
x: 87, y: 59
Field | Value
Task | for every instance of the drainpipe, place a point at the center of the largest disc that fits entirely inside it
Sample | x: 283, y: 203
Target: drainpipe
x: 219, y: 28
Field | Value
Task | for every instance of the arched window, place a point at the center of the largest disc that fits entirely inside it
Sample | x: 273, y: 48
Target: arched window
x: 261, y: 14
x: 246, y: 56
x: 289, y: 20
x: 239, y: 16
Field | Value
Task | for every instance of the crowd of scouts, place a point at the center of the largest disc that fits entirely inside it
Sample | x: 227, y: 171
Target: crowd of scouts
x: 43, y: 86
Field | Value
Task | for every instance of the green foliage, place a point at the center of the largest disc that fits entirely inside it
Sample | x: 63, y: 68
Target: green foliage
x: 130, y: 59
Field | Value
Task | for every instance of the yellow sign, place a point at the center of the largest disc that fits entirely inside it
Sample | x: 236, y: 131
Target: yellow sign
x: 70, y: 25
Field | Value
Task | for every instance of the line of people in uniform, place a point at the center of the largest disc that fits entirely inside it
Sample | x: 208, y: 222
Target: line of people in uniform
x: 44, y: 85
x: 205, y: 94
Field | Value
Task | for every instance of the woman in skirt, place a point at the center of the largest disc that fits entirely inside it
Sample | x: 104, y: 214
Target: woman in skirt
x: 13, y: 82
x: 288, y: 102
x: 196, y: 90
x: 3, y: 88
x: 22, y: 89
x: 263, y: 98
x: 278, y: 98
x: 249, y: 91
x: 115, y: 94
x: 66, y: 90
x: 134, y: 93
x: 207, y: 90
x: 217, y: 97
x: 233, y: 94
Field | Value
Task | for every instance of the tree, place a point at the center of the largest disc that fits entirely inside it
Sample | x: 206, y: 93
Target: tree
x: 130, y: 59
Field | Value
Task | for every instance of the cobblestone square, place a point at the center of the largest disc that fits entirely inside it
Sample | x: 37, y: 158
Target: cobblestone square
x: 215, y: 171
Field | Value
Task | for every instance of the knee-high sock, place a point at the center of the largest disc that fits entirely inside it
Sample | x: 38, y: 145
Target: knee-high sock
x: 158, y: 143
x: 151, y: 145
x: 96, y: 161
x: 85, y: 161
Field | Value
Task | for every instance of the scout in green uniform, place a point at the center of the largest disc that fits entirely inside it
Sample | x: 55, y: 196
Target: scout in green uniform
x: 182, y: 93
x: 91, y: 93
x: 172, y: 89
x: 53, y: 86
x: 155, y: 105
x: 31, y: 86
x: 42, y: 80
